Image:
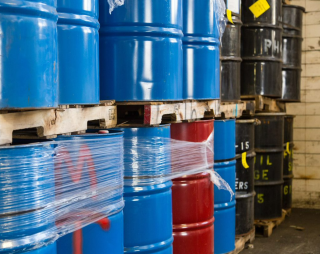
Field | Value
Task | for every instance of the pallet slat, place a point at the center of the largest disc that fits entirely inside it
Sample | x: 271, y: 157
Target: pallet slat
x: 56, y: 121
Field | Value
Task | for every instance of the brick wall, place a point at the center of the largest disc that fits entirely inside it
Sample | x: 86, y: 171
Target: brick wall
x: 306, y: 184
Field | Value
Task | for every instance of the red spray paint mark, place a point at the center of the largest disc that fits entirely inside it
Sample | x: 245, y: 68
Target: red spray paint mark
x: 104, y: 224
x: 77, y: 242
x: 75, y: 172
x: 78, y: 239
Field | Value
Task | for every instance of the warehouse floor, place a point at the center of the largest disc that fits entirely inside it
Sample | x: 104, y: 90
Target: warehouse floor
x: 288, y: 240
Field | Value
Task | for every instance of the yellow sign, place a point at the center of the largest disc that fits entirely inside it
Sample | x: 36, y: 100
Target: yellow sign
x: 259, y: 7
x: 244, y: 160
x: 229, y: 15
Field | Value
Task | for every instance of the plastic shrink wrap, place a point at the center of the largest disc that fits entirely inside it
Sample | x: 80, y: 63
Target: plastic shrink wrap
x: 51, y: 188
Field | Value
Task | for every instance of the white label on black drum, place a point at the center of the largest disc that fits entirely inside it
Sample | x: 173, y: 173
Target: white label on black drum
x: 234, y: 6
x: 241, y: 185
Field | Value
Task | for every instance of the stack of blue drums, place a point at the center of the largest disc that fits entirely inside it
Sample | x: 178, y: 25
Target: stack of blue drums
x: 141, y: 51
x: 148, y: 199
x: 106, y: 235
x: 78, y: 51
x: 28, y: 54
x: 27, y: 223
x: 224, y: 205
x: 201, y: 64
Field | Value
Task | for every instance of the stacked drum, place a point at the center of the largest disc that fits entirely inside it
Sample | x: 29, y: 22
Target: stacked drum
x: 269, y: 136
x: 224, y: 206
x: 245, y: 176
x: 288, y: 161
x: 148, y: 200
x: 78, y: 51
x: 231, y: 61
x: 27, y: 221
x: 261, y: 50
x: 192, y: 198
x: 292, y: 43
x: 141, y: 51
x: 201, y: 66
x: 105, y: 235
x: 28, y: 54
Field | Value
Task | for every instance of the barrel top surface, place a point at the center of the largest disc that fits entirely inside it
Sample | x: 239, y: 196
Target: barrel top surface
x: 199, y: 176
x: 91, y: 135
x: 294, y: 6
x: 245, y: 121
x: 224, y: 164
x: 143, y: 127
x: 24, y: 146
x: 271, y: 114
x: 162, y: 130
x: 224, y: 120
x: 198, y: 131
x: 145, y: 189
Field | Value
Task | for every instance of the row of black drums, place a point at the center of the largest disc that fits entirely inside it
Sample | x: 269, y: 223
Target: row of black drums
x: 264, y: 148
x: 262, y: 56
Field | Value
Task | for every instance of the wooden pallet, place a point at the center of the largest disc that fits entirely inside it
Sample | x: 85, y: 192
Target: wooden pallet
x: 267, y: 226
x: 47, y: 123
x: 264, y: 103
x: 243, y: 240
x: 155, y: 113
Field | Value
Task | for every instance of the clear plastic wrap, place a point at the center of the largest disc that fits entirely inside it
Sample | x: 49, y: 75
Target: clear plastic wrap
x: 50, y: 189
x: 220, y: 11
x: 114, y: 4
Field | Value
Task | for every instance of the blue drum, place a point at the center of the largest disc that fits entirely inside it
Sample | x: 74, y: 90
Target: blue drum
x: 201, y: 53
x: 28, y: 54
x: 148, y: 205
x: 148, y: 219
x: 27, y: 189
x: 104, y: 236
x: 78, y: 49
x: 146, y: 154
x: 141, y: 51
x: 225, y: 210
x: 97, y: 159
x: 224, y: 139
x: 224, y: 204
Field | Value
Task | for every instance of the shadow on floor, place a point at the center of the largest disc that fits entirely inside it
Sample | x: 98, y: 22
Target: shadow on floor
x: 288, y: 240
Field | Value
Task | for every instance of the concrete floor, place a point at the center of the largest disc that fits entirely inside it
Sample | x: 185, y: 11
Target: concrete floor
x: 287, y: 240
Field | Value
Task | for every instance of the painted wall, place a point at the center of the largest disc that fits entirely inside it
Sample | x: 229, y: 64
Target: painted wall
x: 306, y: 185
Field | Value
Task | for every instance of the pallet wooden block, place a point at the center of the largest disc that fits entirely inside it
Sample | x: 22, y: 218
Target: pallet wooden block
x: 288, y: 212
x: 242, y: 240
x: 264, y: 103
x: 234, y: 110
x: 50, y: 122
x: 269, y: 225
